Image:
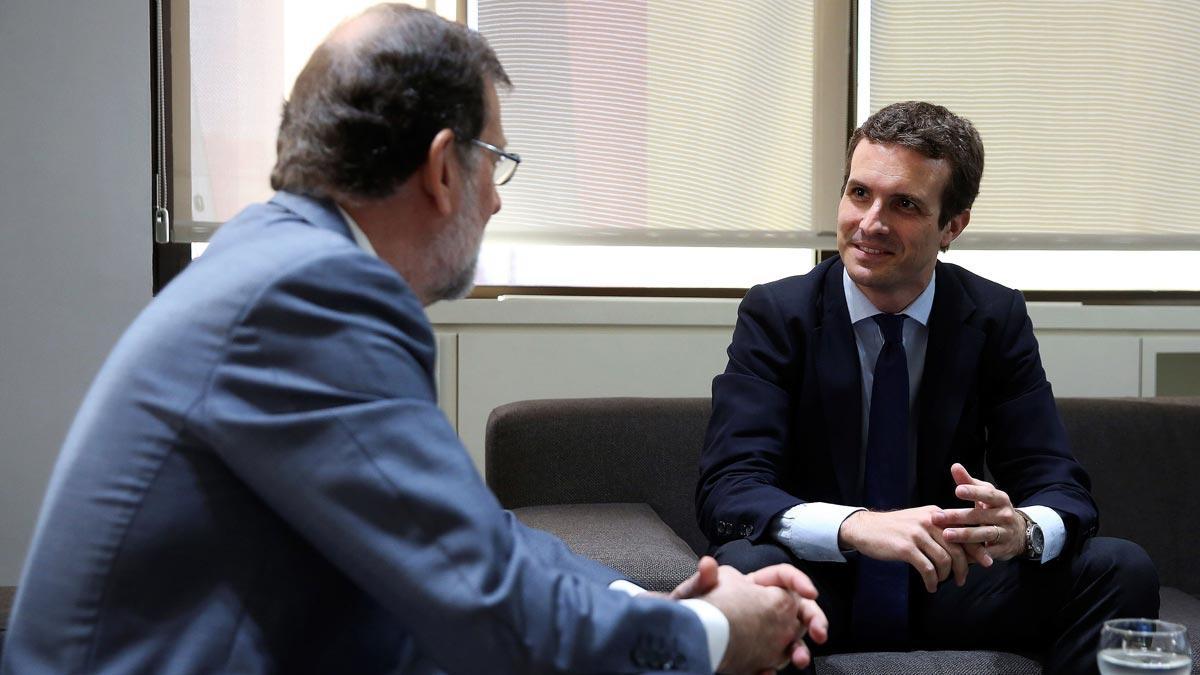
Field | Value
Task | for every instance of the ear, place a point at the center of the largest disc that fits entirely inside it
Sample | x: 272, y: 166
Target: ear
x: 437, y: 172
x: 955, y: 227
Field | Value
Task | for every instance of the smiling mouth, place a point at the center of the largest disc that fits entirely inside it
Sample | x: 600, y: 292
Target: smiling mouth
x: 867, y: 249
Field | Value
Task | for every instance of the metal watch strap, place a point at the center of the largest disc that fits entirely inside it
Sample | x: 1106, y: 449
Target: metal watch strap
x: 1029, y: 552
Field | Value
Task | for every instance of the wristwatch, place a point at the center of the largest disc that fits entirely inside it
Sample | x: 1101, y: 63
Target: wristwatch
x: 1034, y: 541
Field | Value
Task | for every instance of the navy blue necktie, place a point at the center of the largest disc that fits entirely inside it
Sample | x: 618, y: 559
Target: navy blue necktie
x: 880, y: 610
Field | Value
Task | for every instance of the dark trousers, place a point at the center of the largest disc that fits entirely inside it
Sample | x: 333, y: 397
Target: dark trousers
x: 1054, y: 610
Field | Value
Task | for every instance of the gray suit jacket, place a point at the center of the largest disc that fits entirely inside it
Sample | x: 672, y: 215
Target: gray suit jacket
x: 259, y: 480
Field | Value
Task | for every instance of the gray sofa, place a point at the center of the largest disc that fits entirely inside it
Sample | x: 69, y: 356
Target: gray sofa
x: 7, y: 594
x: 615, y: 478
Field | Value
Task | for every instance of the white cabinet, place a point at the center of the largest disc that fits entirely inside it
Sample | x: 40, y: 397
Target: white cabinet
x: 498, y: 366
x: 1086, y: 364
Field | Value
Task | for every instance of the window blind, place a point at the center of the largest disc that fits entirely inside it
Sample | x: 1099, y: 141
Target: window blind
x: 664, y: 122
x: 1087, y: 112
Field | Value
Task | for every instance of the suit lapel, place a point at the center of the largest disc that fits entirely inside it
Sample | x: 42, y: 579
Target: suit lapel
x: 951, y: 359
x: 837, y: 368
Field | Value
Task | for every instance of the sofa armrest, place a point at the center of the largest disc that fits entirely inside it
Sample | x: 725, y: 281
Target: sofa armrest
x: 588, y: 451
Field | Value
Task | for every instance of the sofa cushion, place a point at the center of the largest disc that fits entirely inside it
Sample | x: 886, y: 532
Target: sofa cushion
x: 947, y: 662
x: 1180, y: 607
x: 1177, y: 606
x: 7, y: 593
x: 630, y: 538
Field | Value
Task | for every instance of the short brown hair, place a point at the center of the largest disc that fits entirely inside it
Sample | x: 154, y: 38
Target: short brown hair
x: 937, y: 133
x: 363, y: 111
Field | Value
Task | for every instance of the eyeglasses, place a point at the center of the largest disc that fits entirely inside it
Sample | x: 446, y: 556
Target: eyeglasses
x: 506, y: 162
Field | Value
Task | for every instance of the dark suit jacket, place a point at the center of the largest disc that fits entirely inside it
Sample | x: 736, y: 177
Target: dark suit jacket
x: 787, y: 412
x: 260, y: 480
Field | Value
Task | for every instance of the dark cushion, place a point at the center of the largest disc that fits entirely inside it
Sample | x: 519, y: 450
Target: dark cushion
x: 630, y: 538
x: 7, y: 593
x: 1183, y: 608
x: 947, y: 662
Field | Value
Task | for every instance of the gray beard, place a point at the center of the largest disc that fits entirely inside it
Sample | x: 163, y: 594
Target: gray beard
x: 455, y: 254
x: 459, y: 286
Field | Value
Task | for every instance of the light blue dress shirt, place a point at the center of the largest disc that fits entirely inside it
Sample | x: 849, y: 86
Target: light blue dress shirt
x: 811, y: 529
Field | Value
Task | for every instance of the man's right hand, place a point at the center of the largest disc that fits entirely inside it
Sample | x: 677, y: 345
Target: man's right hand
x: 764, y: 623
x: 786, y: 577
x: 910, y: 536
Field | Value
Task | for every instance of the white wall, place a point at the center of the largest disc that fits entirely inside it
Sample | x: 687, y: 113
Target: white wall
x: 75, y: 248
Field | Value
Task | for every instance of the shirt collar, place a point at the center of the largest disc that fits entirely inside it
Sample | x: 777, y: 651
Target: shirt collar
x: 355, y: 231
x: 861, y: 308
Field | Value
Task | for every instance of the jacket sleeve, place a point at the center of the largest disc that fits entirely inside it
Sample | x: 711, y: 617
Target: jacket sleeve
x: 747, y: 450
x: 1028, y: 451
x: 323, y: 405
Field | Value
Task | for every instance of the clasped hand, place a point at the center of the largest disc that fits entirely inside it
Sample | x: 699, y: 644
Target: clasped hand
x: 939, y: 543
x: 993, y: 522
x: 769, y: 611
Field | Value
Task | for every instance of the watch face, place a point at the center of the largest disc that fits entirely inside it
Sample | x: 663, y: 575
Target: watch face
x: 1036, y: 540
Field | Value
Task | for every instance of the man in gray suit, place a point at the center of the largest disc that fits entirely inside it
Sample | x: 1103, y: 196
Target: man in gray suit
x: 259, y: 480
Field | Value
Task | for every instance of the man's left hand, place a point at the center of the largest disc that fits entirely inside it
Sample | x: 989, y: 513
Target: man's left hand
x: 992, y: 529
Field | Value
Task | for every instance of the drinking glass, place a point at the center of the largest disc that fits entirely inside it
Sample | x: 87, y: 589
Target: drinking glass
x: 1130, y: 646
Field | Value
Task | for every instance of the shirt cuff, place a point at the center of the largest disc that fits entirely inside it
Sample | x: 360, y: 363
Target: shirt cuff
x: 716, y: 625
x: 811, y: 529
x: 626, y: 587
x: 1054, y: 532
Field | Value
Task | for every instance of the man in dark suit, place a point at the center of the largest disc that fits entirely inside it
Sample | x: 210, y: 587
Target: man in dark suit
x: 260, y: 480
x: 860, y: 406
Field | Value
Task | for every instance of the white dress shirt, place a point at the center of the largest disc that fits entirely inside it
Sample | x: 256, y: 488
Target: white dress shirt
x: 716, y: 624
x: 811, y: 529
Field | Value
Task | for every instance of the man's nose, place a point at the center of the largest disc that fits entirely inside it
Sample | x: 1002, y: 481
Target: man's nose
x: 496, y: 199
x: 872, y: 220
